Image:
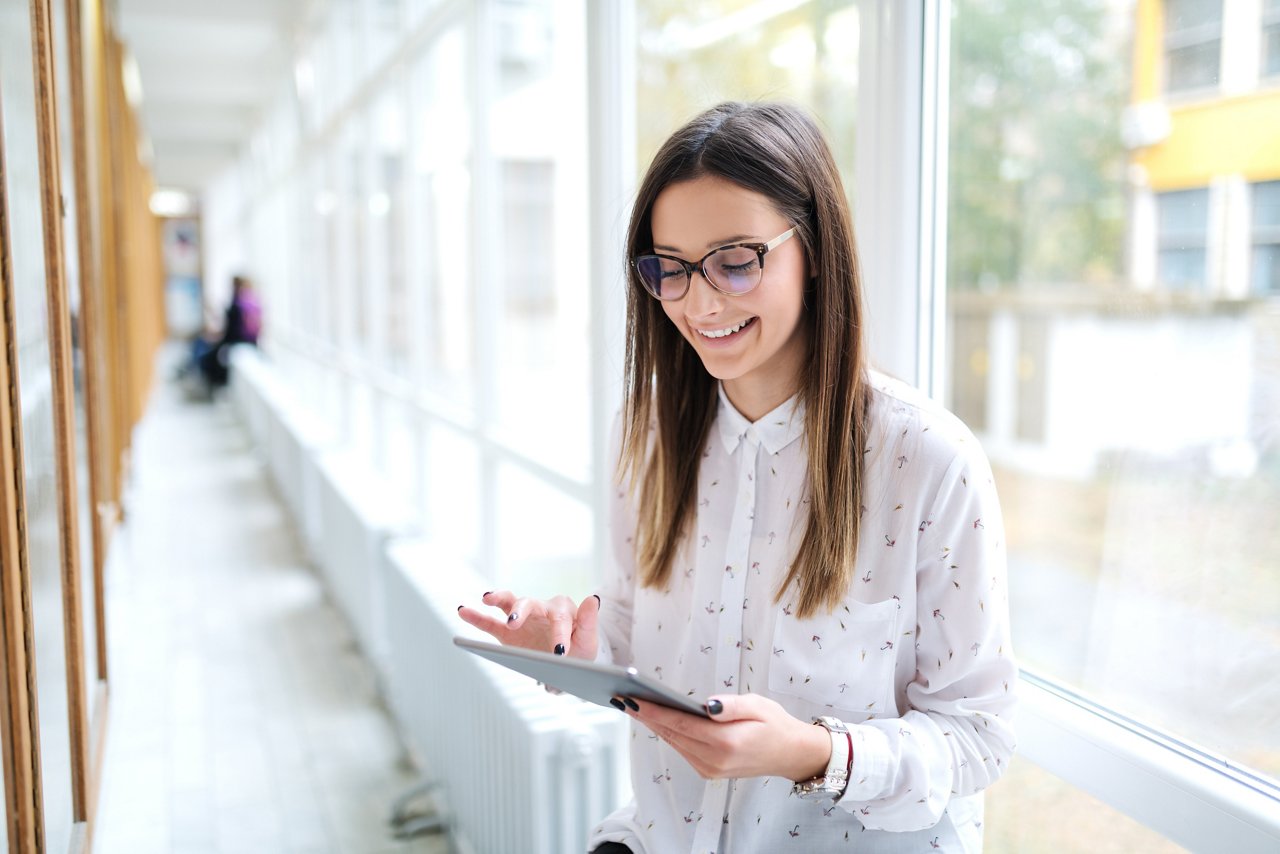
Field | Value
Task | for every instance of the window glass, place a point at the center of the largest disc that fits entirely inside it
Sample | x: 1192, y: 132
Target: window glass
x: 1034, y: 812
x: 538, y: 141
x: 1132, y: 431
x: 693, y: 55
x: 1266, y: 238
x: 544, y: 547
x: 385, y: 207
x: 440, y: 199
x: 384, y: 20
x: 453, y: 509
x: 1193, y: 43
x: 1270, y: 37
x: 1183, y: 227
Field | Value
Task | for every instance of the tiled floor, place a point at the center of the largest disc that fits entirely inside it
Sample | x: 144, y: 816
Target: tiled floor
x: 242, y: 716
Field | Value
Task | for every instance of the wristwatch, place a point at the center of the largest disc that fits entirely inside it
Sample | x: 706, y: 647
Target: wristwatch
x: 831, y: 785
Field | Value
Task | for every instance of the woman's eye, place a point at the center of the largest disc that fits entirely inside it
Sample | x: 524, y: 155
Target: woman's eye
x: 671, y: 274
x: 738, y: 268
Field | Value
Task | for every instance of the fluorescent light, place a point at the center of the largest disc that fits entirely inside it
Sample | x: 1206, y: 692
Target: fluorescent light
x: 167, y: 202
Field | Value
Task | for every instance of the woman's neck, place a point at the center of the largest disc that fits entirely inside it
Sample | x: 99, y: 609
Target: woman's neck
x: 756, y: 400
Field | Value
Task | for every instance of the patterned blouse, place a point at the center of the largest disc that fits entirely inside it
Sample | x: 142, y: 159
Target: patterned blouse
x: 916, y: 660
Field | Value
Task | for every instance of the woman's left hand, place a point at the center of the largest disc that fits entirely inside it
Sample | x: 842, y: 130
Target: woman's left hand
x: 752, y: 736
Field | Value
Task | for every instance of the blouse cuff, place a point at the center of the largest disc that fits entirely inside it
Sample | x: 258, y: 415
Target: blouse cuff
x: 872, y: 764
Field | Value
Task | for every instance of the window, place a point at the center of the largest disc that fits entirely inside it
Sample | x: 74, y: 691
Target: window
x: 1270, y: 38
x: 1192, y: 44
x: 1266, y: 238
x: 694, y: 55
x: 1132, y: 435
x: 1183, y: 228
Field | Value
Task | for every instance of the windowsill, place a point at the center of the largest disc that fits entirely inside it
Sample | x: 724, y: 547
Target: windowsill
x: 1187, y: 795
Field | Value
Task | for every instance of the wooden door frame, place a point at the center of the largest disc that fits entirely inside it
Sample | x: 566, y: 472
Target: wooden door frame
x: 17, y: 634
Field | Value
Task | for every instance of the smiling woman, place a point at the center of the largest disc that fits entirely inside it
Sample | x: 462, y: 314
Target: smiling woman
x: 827, y: 539
x: 751, y: 338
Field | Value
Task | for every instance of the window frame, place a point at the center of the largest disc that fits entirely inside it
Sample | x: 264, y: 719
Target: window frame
x: 1171, y: 786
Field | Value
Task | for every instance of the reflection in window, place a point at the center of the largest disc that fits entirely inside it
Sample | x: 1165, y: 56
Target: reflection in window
x: 1183, y: 226
x: 1192, y: 43
x: 1266, y: 238
x: 1132, y: 435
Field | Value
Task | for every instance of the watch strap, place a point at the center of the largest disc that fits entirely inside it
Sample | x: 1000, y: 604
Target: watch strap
x: 833, y: 782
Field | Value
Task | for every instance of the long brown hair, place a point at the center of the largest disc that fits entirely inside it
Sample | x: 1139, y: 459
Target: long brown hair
x: 670, y: 399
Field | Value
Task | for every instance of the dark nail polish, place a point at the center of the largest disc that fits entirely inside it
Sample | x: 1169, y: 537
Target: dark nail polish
x: 635, y: 707
x: 486, y: 593
x: 598, y: 603
x: 559, y: 649
x: 512, y: 618
x: 460, y: 607
x: 715, y: 707
x: 617, y: 704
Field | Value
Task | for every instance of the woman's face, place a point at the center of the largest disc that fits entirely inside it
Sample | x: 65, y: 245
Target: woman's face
x: 760, y: 363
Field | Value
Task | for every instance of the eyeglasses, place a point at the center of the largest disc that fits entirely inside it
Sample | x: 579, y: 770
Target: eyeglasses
x: 732, y: 270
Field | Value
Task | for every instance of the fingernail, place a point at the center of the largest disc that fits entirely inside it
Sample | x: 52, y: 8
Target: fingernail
x: 598, y: 603
x: 617, y: 704
x: 635, y: 707
x: 512, y: 618
x: 559, y: 649
x: 460, y: 607
x: 715, y: 707
x: 486, y: 593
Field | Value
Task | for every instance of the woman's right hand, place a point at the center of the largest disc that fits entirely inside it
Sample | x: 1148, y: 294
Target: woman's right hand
x: 556, y: 625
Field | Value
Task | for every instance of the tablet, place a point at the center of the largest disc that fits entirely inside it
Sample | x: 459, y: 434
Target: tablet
x: 594, y: 682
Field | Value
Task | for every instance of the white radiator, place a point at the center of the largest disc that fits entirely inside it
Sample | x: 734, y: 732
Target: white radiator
x: 290, y: 438
x: 523, y: 770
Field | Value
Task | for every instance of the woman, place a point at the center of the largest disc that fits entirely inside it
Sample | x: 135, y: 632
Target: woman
x: 798, y: 539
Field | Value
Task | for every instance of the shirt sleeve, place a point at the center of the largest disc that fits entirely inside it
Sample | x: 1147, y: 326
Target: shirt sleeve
x: 956, y: 737
x: 617, y: 593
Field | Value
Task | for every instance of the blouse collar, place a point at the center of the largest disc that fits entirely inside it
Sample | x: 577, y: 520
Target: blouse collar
x: 775, y: 429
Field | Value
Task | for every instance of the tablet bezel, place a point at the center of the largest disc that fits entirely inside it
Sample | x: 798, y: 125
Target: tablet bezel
x: 588, y: 680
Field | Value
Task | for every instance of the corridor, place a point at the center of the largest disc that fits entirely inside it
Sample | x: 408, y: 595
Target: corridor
x: 243, y: 716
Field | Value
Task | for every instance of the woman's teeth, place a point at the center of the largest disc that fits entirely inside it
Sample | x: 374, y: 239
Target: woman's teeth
x: 721, y: 333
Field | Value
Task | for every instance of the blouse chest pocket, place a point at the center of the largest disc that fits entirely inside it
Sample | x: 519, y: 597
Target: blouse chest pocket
x: 845, y: 660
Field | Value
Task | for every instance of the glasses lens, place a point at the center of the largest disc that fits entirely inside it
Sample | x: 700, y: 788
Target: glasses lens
x: 665, y: 278
x: 735, y: 270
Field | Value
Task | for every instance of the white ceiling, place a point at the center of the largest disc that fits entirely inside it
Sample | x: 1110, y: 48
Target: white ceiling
x: 209, y: 70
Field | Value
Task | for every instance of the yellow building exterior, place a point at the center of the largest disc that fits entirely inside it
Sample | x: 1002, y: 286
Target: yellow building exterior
x: 1203, y: 129
x: 1210, y: 134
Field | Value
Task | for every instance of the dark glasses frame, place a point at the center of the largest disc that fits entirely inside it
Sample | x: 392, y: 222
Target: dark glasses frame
x: 761, y: 249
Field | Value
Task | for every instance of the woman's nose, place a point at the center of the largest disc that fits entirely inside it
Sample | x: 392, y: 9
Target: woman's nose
x: 702, y: 299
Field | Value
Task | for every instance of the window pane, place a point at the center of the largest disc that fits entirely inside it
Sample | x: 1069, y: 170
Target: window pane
x: 1266, y: 269
x: 1193, y: 41
x: 1034, y: 812
x: 1185, y: 14
x: 1266, y: 206
x: 695, y: 54
x: 545, y: 542
x: 1133, y: 436
x: 440, y: 200
x: 1184, y: 216
x: 539, y: 144
x: 1195, y: 66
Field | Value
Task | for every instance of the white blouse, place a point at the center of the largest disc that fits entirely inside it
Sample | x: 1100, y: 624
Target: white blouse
x: 916, y: 660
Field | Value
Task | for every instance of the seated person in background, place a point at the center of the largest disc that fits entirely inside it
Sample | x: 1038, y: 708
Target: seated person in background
x: 242, y: 324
